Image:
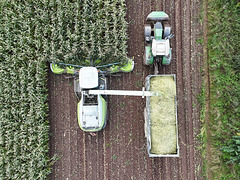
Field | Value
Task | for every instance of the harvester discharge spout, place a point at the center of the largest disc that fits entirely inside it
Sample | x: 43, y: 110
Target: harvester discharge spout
x: 142, y: 93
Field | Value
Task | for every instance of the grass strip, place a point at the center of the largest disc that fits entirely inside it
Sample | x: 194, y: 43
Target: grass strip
x: 224, y: 68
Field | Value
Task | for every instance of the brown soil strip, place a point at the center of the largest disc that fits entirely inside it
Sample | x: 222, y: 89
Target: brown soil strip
x: 180, y: 90
x: 170, y: 8
x: 188, y: 85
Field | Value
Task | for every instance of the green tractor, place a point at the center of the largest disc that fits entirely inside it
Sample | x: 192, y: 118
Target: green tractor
x: 157, y: 36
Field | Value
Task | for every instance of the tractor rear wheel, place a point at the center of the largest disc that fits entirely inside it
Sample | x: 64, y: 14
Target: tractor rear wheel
x: 167, y: 30
x: 147, y: 31
x: 148, y: 57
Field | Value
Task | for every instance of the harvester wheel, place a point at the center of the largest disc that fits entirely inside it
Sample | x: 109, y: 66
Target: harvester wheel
x: 69, y: 77
x: 93, y: 134
x: 147, y: 32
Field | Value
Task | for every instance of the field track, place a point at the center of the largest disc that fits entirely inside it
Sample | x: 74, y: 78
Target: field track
x: 119, y: 151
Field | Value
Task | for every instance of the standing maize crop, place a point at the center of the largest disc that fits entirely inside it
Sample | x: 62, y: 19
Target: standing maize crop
x: 31, y: 32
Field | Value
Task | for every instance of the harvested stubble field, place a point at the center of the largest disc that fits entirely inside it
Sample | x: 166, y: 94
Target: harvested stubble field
x: 119, y: 151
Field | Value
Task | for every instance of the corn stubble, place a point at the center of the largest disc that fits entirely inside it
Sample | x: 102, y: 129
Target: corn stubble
x: 163, y: 116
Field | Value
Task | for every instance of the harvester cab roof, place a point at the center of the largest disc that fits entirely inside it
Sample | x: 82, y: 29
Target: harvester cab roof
x: 88, y: 78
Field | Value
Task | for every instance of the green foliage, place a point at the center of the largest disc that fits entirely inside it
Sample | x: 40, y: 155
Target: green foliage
x: 224, y: 26
x: 66, y: 31
x: 23, y: 120
x: 231, y: 151
x: 114, y: 157
x: 31, y: 32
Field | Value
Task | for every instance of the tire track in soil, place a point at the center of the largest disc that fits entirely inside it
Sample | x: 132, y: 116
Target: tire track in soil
x: 125, y: 150
x: 57, y: 119
x: 115, y: 125
x: 96, y: 156
x: 107, y: 145
x: 180, y: 92
x: 100, y: 152
x: 93, y: 160
x: 51, y: 85
x: 135, y: 78
x: 188, y: 85
x: 136, y: 49
x: 139, y: 162
x: 119, y: 137
x: 66, y: 116
x: 107, y: 150
x: 75, y: 137
x: 61, y: 131
x: 55, y: 98
x: 88, y: 156
x: 80, y: 148
x: 170, y: 9
x: 67, y: 129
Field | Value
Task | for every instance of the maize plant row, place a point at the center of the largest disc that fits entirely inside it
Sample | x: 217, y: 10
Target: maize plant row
x: 31, y: 32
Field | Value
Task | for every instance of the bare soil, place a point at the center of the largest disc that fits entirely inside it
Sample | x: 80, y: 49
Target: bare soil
x: 119, y: 151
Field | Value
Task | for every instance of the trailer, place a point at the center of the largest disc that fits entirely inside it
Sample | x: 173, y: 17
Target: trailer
x: 160, y: 115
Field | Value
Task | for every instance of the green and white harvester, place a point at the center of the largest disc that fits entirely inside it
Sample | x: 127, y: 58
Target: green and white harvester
x: 90, y: 86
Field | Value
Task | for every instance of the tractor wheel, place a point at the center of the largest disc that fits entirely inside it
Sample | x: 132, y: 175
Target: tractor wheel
x: 147, y: 31
x: 167, y: 60
x: 148, y: 57
x: 167, y: 30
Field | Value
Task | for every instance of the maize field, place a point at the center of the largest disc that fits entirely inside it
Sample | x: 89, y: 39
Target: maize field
x: 74, y: 32
x: 31, y: 33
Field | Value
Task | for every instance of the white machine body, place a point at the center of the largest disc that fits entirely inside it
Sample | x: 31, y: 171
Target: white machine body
x: 92, y: 107
x: 88, y: 77
x: 160, y: 47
